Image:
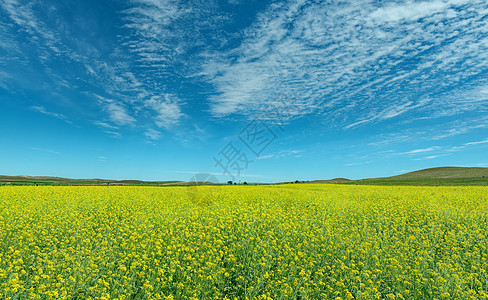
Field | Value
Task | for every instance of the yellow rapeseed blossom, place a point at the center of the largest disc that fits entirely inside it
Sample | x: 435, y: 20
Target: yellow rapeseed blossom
x: 307, y: 241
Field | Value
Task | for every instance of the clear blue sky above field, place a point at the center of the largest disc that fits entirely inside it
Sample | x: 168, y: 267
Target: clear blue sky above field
x: 260, y: 91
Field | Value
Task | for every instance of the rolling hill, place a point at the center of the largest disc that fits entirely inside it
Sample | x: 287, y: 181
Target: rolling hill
x: 431, y: 176
x: 47, y: 180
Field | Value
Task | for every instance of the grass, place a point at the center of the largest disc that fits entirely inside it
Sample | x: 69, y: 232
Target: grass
x: 443, y: 176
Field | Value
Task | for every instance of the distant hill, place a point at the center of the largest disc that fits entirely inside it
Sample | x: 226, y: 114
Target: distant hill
x: 47, y: 180
x: 335, y: 180
x: 446, y: 173
x: 433, y: 176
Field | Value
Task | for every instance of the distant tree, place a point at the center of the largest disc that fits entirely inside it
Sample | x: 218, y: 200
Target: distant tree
x: 235, y: 182
x: 229, y: 182
x: 296, y: 181
x: 245, y: 182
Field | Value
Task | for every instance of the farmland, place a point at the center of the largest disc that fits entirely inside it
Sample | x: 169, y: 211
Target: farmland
x: 306, y: 241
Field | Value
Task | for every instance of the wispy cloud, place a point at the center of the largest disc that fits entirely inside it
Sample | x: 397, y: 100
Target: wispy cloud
x: 423, y: 150
x: 403, y: 171
x: 441, y: 151
x: 160, y: 37
x: 153, y: 134
x: 282, y: 153
x: 388, y: 113
x: 359, y: 163
x: 467, y: 145
x: 24, y: 16
x: 117, y: 112
x: 114, y: 134
x: 167, y: 111
x: 45, y: 150
x: 432, y: 131
x: 431, y: 157
x: 162, y: 44
x: 476, y: 143
x: 118, y: 76
x: 105, y: 125
x: 411, y: 11
x: 355, y: 62
x: 42, y: 110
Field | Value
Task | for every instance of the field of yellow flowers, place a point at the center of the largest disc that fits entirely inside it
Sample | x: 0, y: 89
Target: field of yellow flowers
x: 306, y: 241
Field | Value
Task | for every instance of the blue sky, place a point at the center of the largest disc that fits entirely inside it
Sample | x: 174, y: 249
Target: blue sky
x: 257, y: 90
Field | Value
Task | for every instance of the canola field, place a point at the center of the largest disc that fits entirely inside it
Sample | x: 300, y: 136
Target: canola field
x: 302, y: 241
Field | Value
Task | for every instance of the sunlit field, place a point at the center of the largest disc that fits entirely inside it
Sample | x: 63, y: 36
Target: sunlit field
x: 302, y: 241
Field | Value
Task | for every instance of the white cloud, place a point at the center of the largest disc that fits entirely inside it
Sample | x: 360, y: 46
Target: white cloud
x: 416, y: 151
x: 266, y: 156
x: 116, y: 111
x: 153, y: 134
x: 412, y: 11
x: 114, y: 134
x: 476, y: 143
x: 45, y: 150
x: 282, y: 153
x: 23, y: 15
x: 105, y: 125
x: 168, y: 112
x: 118, y: 114
x: 43, y: 110
x: 388, y: 113
x: 430, y: 157
x: 357, y: 164
x: 118, y: 76
x: 160, y: 35
x: 355, y: 62
x: 164, y: 108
